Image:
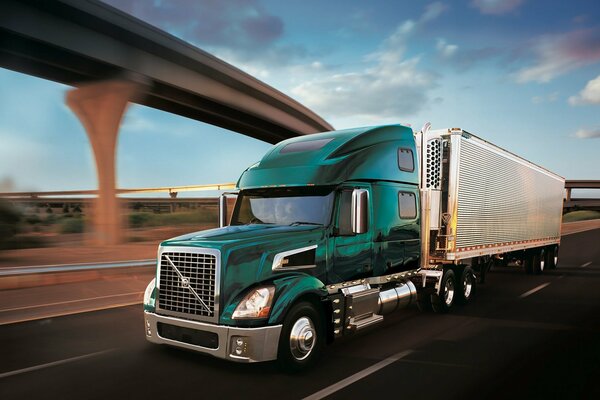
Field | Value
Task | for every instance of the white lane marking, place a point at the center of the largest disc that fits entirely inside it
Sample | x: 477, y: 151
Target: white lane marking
x: 357, y: 376
x: 586, y: 264
x: 535, y: 289
x: 68, y: 302
x: 54, y: 363
x: 65, y: 313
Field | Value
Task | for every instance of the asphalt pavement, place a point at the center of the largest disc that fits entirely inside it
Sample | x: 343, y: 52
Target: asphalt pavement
x: 524, y: 336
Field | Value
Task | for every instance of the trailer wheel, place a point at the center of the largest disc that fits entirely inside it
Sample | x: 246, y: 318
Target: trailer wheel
x: 466, y: 286
x: 302, y: 338
x: 442, y: 302
x: 539, y: 261
x: 552, y: 257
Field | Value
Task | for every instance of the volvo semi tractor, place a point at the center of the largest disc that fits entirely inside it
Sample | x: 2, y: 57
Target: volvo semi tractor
x: 332, y: 231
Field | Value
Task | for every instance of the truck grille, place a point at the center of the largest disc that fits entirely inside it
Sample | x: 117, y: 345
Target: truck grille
x: 187, y: 283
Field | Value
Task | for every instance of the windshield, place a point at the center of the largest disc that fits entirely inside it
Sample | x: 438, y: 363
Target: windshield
x: 297, y: 206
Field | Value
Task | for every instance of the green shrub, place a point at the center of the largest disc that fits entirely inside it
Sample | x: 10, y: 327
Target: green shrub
x: 9, y: 222
x: 28, y: 242
x: 71, y: 225
x: 138, y: 220
x: 33, y: 219
x: 50, y: 219
x: 199, y: 216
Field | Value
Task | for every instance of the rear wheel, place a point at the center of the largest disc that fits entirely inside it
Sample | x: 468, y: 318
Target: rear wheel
x: 442, y: 302
x: 466, y: 285
x: 552, y: 257
x: 539, y: 261
x: 302, y: 338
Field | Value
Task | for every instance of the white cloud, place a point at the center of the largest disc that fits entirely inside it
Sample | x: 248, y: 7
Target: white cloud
x: 588, y: 133
x: 388, y: 85
x: 432, y: 11
x: 550, y: 98
x: 445, y: 49
x: 496, y: 7
x: 589, y: 95
x: 560, y: 53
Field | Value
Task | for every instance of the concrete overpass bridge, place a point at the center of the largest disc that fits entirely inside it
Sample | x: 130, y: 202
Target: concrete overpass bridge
x: 113, y: 59
x: 582, y: 202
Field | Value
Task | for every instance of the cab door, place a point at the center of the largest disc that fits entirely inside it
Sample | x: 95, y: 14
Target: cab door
x: 352, y: 252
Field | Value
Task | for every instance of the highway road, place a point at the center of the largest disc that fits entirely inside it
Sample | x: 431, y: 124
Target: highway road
x: 523, y: 337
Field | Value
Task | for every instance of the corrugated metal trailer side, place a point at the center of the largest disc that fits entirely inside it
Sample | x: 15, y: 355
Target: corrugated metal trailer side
x: 485, y: 200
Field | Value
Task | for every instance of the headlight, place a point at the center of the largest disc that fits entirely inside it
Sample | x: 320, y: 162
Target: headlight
x: 149, y: 290
x: 256, y: 304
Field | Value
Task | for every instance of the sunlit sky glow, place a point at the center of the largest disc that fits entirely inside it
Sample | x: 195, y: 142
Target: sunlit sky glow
x: 524, y: 74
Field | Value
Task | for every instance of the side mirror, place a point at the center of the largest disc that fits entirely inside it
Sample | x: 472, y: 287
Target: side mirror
x: 360, y: 211
x: 223, y: 211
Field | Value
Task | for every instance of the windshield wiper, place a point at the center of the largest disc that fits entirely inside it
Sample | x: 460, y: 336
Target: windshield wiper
x: 295, y: 223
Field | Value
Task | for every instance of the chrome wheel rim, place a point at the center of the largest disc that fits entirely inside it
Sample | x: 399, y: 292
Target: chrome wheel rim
x: 449, y: 292
x: 303, y: 337
x: 467, y: 285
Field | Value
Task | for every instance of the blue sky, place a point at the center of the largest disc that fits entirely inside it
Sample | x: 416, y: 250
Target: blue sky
x: 524, y: 74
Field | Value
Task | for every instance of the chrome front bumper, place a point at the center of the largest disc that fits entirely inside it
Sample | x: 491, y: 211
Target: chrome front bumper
x: 236, y: 344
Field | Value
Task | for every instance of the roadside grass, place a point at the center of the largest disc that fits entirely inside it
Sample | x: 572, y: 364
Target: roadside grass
x: 581, y: 215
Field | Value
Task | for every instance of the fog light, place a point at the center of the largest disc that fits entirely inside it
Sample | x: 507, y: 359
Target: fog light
x: 148, y: 330
x: 239, y: 346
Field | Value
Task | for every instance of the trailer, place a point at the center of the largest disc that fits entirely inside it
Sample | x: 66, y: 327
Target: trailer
x: 483, y: 201
x: 331, y: 232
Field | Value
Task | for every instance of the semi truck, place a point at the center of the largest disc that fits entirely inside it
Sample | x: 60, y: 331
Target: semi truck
x: 332, y: 231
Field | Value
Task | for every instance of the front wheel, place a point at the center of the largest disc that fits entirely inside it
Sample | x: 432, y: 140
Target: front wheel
x: 302, y: 338
x: 442, y: 302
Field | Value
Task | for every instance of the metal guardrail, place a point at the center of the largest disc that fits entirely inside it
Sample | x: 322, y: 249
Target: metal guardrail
x: 37, y: 269
x: 172, y: 190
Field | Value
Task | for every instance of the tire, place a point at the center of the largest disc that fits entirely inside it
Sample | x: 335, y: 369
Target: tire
x: 552, y: 257
x: 466, y: 286
x: 302, y: 338
x: 539, y: 261
x: 443, y: 302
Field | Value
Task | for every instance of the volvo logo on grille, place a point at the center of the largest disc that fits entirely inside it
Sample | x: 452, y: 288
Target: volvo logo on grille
x: 185, y: 283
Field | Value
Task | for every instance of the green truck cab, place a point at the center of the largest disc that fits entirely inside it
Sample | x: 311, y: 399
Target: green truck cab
x: 332, y: 231
x: 315, y: 212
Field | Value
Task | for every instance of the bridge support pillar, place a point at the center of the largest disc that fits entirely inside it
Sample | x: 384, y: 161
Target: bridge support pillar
x: 100, y: 107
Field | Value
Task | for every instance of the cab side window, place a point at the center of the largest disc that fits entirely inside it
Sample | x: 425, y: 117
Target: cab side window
x: 407, y: 205
x: 405, y: 160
